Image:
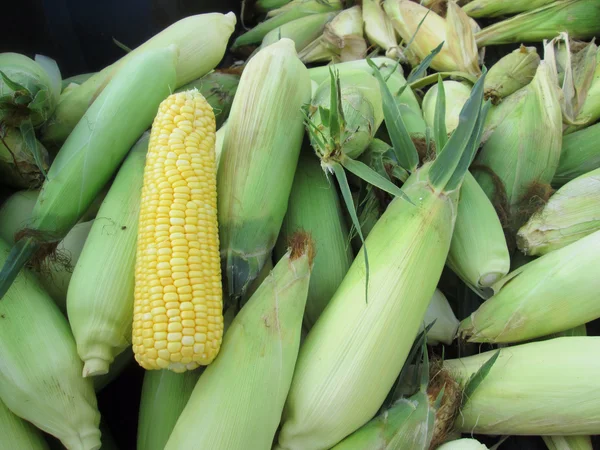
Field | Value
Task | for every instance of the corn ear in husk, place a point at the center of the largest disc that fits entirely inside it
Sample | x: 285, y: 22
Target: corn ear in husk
x: 511, y: 73
x: 362, y: 335
x: 314, y: 207
x: 459, y: 52
x: 552, y: 293
x: 296, y: 9
x: 227, y: 411
x: 302, y: 31
x: 568, y: 442
x: 536, y: 373
x: 18, y: 166
x: 264, y: 135
x: 545, y: 22
x: 342, y: 39
x: 589, y: 111
x: 456, y: 93
x: 445, y: 325
x: 379, y: 29
x: 570, y: 214
x: 580, y: 154
x: 496, y: 8
x: 201, y: 41
x: 19, y: 434
x: 40, y: 378
x: 101, y: 313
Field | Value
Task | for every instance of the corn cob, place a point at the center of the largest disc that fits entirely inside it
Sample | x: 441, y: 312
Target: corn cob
x: 571, y: 213
x: 100, y: 313
x: 218, y: 88
x: 459, y: 52
x: 317, y: 413
x: 538, y: 374
x: 315, y: 208
x: 580, y: 154
x: 511, y: 73
x: 18, y: 165
x: 164, y: 396
x: 302, y: 31
x: 47, y: 390
x: 293, y: 10
x: 18, y: 434
x: 537, y: 298
x: 544, y: 23
x: 177, y: 316
x: 201, y: 41
x: 264, y: 135
x: 92, y: 153
x: 227, y: 411
x: 524, y: 149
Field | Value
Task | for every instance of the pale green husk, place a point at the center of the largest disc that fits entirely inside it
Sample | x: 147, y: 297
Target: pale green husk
x: 164, y: 395
x: 463, y: 444
x: 18, y: 168
x: 494, y: 8
x: 379, y: 29
x: 201, y: 41
x: 19, y: 434
x: 258, y: 160
x: 568, y: 442
x: 314, y: 207
x: 445, y: 325
x: 511, y: 73
x: 580, y: 154
x: 457, y: 94
x: 541, y: 375
x: 538, y: 298
x: 40, y: 374
x: 590, y: 109
x: 570, y: 214
x: 302, y: 31
x: 238, y: 400
x: 100, y: 313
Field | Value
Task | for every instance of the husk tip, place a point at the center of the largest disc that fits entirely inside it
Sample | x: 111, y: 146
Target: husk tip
x: 301, y: 243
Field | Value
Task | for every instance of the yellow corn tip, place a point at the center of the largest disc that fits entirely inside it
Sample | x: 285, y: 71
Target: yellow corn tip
x: 177, y: 317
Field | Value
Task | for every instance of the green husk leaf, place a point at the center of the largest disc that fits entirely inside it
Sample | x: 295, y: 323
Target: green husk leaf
x: 439, y: 127
x: 51, y: 68
x: 12, y: 84
x: 121, y: 45
x: 28, y: 134
x: 416, y: 73
x: 477, y: 378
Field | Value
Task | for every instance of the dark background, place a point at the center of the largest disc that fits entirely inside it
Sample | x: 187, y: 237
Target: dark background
x: 79, y: 34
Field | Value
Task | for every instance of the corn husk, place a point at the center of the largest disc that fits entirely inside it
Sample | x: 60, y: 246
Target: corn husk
x: 511, y: 73
x: 29, y: 89
x: 589, y: 111
x: 342, y: 40
x: 76, y: 80
x: 456, y: 93
x: 570, y: 214
x: 19, y: 434
x: 524, y: 149
x: 361, y: 110
x: 463, y: 444
x: 379, y: 29
x: 219, y: 139
x: 264, y: 136
x: 201, y: 41
x: 392, y: 71
x: 363, y: 336
x: 537, y: 373
x: 268, y: 5
x: 459, y: 52
x: 93, y: 152
x: 40, y: 374
x: 314, y: 207
x: 545, y: 22
x: 580, y: 154
x: 18, y: 166
x: 227, y: 411
x: 164, y: 396
x: 495, y: 8
x: 568, y: 442
x: 101, y: 313
x: 549, y: 294
x: 295, y: 9
x: 218, y: 88
x: 302, y: 31
x: 445, y: 325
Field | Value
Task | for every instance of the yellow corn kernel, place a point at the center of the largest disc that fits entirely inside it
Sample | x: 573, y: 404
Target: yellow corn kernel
x: 172, y: 294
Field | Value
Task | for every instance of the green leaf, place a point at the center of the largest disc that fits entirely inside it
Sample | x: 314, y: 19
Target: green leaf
x: 51, y: 68
x: 40, y: 102
x: 22, y: 99
x: 402, y: 143
x: 367, y: 174
x: 12, y: 84
x: 20, y: 253
x: 28, y: 134
x: 416, y: 73
x: 477, y: 378
x: 439, y: 122
x: 347, y: 195
x: 121, y: 46
x: 324, y: 112
x: 449, y: 157
x: 335, y: 122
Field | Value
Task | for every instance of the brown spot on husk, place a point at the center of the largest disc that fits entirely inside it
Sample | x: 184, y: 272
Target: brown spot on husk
x: 449, y: 408
x: 492, y: 95
x: 301, y: 243
x: 438, y: 6
x: 426, y: 153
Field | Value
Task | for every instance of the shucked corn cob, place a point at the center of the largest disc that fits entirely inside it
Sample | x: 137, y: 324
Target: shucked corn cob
x: 178, y: 320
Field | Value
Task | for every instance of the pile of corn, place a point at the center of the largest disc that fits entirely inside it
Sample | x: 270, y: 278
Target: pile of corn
x: 379, y: 229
